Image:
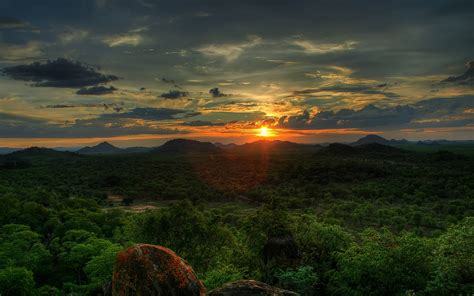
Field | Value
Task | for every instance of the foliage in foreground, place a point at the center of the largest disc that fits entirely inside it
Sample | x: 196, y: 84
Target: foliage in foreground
x: 333, y: 261
x: 361, y: 226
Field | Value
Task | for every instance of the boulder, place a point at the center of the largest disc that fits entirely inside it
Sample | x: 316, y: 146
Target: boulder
x: 250, y: 288
x: 153, y: 270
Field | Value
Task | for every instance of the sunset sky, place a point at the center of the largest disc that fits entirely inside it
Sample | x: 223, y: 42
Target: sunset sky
x: 141, y: 72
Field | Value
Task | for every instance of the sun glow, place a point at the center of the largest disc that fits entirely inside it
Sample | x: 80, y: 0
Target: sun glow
x: 264, y: 132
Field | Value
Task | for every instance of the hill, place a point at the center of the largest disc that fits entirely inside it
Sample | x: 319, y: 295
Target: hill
x: 180, y: 146
x: 372, y: 150
x: 371, y: 139
x: 39, y: 152
x: 7, y: 150
x: 102, y: 148
x: 229, y: 146
x: 337, y: 149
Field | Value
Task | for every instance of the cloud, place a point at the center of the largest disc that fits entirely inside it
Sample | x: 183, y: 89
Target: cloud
x: 19, y: 127
x: 133, y: 122
x: 216, y: 93
x: 436, y: 112
x: 105, y: 106
x: 170, y: 81
x: 96, y: 90
x: 465, y: 79
x: 14, y: 23
x: 282, y: 62
x: 174, y: 94
x: 130, y: 39
x: 155, y: 114
x: 229, y: 51
x: 14, y: 52
x: 311, y: 47
x: 70, y: 35
x: 11, y: 118
x: 203, y: 123
x: 181, y: 53
x: 58, y: 73
x: 362, y: 89
x: 365, y: 89
x: 60, y: 106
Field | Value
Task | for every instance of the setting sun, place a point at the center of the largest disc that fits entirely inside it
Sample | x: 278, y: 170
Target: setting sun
x: 264, y: 132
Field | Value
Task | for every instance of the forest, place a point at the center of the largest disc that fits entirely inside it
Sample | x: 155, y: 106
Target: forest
x: 365, y: 220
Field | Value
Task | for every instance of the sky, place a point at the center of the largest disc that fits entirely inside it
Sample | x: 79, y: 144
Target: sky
x: 138, y: 73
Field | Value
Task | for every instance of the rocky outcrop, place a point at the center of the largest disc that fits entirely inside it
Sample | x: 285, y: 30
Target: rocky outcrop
x: 153, y: 270
x: 249, y: 288
x: 148, y: 270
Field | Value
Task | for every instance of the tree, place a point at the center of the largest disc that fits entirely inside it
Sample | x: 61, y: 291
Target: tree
x: 21, y: 247
x: 454, y: 261
x: 383, y: 264
x: 75, y: 254
x: 183, y: 228
x: 319, y: 243
x: 16, y: 281
x: 100, y: 268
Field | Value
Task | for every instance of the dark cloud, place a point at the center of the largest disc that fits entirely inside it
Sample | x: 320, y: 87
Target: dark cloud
x: 170, y: 81
x: 105, y: 106
x: 191, y: 114
x: 13, y: 23
x: 106, y: 125
x: 58, y: 73
x: 9, y: 119
x: 203, y: 123
x: 436, y: 112
x: 216, y: 93
x: 60, y: 106
x: 174, y: 94
x: 465, y: 79
x: 349, y: 88
x: 155, y: 114
x: 439, y: 35
x: 96, y: 90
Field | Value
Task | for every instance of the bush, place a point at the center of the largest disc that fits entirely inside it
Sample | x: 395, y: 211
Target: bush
x: 301, y: 280
x: 217, y: 277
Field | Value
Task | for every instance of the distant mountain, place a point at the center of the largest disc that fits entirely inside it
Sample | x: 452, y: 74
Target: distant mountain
x: 187, y: 146
x: 102, y: 148
x: 445, y: 142
x: 40, y: 151
x: 229, y: 146
x: 372, y: 150
x: 275, y: 145
x: 6, y: 150
x: 371, y: 139
x: 399, y: 142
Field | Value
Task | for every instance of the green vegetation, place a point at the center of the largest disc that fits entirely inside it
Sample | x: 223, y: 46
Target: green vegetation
x: 369, y: 221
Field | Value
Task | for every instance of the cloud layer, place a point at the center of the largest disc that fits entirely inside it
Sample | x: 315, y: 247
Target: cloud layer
x: 58, y: 73
x: 220, y: 67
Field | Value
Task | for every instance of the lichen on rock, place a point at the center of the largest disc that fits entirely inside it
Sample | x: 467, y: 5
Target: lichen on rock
x: 153, y: 270
x: 250, y: 288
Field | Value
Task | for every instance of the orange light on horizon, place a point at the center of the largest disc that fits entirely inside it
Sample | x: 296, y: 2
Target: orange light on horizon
x: 265, y: 132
